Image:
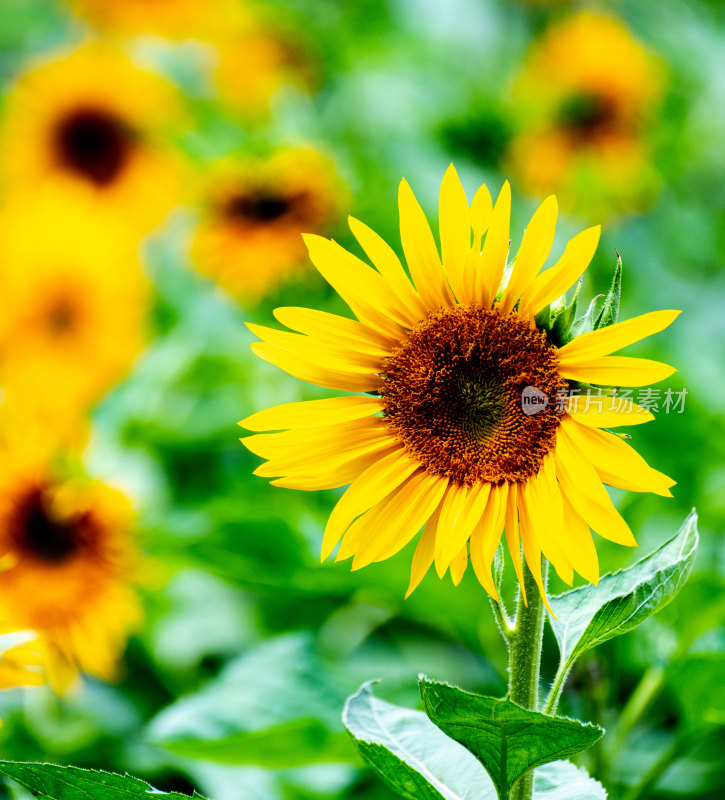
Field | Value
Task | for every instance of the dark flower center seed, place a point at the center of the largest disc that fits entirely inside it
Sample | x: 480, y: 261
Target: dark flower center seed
x: 453, y: 395
x: 39, y: 534
x: 94, y: 144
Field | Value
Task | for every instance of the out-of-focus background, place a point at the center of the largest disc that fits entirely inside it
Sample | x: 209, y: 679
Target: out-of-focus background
x: 158, y: 162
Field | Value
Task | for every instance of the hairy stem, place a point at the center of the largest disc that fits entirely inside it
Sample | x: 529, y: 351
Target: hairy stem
x: 525, y: 661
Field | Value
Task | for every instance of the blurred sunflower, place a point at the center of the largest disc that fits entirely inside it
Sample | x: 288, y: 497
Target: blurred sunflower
x: 440, y: 438
x: 251, y: 64
x: 67, y: 565
x: 584, y: 99
x: 176, y: 19
x: 21, y: 659
x: 249, y: 238
x: 64, y: 125
x: 74, y: 312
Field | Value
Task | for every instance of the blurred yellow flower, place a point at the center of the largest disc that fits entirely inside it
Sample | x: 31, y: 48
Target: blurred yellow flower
x: 21, y: 659
x: 436, y: 433
x: 91, y: 122
x: 250, y: 235
x: 583, y: 101
x: 68, y: 560
x: 251, y: 64
x: 176, y: 19
x: 74, y: 311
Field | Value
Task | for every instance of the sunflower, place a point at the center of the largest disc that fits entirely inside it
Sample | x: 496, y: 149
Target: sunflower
x: 435, y: 434
x: 74, y: 307
x: 21, y: 659
x: 63, y: 126
x: 249, y: 238
x: 67, y: 564
x: 252, y: 64
x: 584, y: 99
x: 176, y: 19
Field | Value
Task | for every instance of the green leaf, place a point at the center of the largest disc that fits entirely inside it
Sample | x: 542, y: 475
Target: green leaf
x: 419, y: 762
x: 507, y: 739
x: 74, y: 783
x: 416, y: 759
x: 590, y: 615
x: 610, y: 310
x: 562, y: 780
x: 272, y: 707
x: 697, y: 686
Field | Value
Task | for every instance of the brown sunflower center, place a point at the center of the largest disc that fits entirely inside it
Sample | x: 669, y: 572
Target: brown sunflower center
x: 61, y: 317
x: 460, y: 392
x: 94, y: 143
x: 39, y: 533
x: 264, y: 207
x: 589, y: 115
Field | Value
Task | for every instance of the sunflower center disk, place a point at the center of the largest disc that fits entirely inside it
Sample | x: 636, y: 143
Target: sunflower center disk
x: 456, y: 394
x: 39, y: 534
x: 94, y: 144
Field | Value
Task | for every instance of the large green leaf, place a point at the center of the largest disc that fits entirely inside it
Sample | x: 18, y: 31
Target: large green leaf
x: 419, y: 762
x: 271, y: 707
x: 74, y: 783
x: 507, y: 739
x: 590, y: 615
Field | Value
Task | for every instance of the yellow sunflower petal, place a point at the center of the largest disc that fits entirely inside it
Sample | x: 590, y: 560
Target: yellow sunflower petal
x: 617, y: 371
x: 424, y: 553
x: 458, y: 565
x: 331, y: 327
x: 486, y: 537
x: 462, y: 511
x: 315, y: 443
x: 399, y: 518
x: 312, y: 478
x: 372, y: 486
x: 579, y: 544
x: 535, y: 247
x: 455, y: 228
x: 388, y: 265
x: 584, y: 490
x: 512, y: 533
x: 311, y: 413
x: 481, y: 210
x: 363, y: 289
x: 605, y: 412
x: 604, y: 341
x: 615, y: 457
x: 421, y: 252
x: 528, y: 515
x: 328, y: 458
x: 495, y: 249
x: 549, y: 521
x: 553, y: 282
x: 331, y: 354
x: 308, y: 370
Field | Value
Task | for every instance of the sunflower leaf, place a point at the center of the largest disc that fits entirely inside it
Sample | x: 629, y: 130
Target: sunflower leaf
x: 506, y: 738
x: 73, y: 783
x: 270, y: 707
x: 414, y: 757
x: 610, y: 310
x: 590, y: 615
x: 419, y: 762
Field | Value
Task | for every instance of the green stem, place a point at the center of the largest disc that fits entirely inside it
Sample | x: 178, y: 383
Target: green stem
x: 638, y: 704
x: 679, y: 747
x: 525, y: 661
x: 505, y: 625
x: 552, y: 701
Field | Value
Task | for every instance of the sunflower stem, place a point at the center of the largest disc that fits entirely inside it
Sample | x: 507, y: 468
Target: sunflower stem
x: 504, y: 622
x: 525, y: 660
